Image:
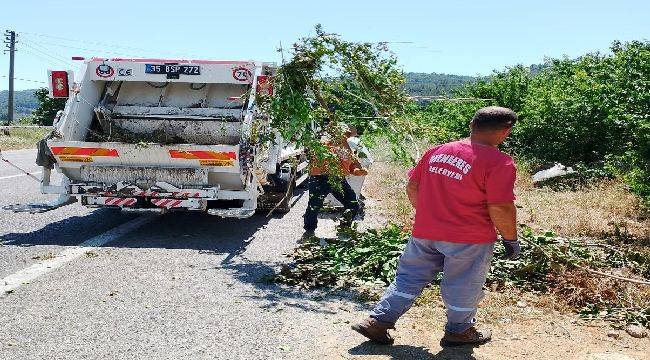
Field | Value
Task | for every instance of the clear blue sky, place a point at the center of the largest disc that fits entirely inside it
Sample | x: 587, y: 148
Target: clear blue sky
x: 457, y: 37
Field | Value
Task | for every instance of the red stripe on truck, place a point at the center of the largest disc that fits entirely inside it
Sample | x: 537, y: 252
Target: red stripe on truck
x: 180, y: 61
x: 84, y: 151
x: 202, y: 155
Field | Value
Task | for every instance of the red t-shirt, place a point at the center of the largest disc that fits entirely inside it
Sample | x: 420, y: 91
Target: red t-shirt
x: 456, y: 181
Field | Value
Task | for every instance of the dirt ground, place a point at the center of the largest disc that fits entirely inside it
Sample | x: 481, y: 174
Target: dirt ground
x: 520, y: 331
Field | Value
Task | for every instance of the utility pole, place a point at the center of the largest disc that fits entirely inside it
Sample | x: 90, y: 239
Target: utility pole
x: 10, y: 42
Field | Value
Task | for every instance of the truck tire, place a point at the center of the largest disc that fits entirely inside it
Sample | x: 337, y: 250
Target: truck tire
x: 285, y: 205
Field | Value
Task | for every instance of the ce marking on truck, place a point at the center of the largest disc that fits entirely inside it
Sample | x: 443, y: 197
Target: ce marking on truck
x: 124, y: 72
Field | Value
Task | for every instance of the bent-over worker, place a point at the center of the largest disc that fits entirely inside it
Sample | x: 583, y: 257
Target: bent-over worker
x: 328, y: 177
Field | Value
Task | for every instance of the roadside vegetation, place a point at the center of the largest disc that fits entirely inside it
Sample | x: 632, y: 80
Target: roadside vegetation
x: 592, y: 113
x: 557, y: 265
x: 34, y: 108
x: 585, y: 239
x: 21, y: 138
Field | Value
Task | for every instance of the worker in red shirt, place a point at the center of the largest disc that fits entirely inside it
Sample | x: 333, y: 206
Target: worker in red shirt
x: 461, y: 192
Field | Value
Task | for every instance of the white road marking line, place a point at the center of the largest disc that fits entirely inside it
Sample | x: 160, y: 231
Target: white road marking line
x: 15, y: 280
x: 19, y: 175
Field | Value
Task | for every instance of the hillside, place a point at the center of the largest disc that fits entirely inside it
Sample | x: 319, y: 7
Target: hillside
x: 418, y: 84
x: 24, y: 103
x: 423, y: 84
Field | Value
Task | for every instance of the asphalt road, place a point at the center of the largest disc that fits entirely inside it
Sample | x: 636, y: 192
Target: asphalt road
x: 181, y: 286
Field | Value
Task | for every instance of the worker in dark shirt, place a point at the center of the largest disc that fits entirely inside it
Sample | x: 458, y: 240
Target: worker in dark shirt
x: 327, y: 176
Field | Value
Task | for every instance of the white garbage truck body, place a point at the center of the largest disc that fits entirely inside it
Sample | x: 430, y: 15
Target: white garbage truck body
x: 158, y: 134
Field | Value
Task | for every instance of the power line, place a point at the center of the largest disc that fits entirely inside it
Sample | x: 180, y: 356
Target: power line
x: 103, y: 44
x: 45, y: 60
x: 47, y: 52
x: 22, y: 79
x: 83, y: 41
x: 32, y: 41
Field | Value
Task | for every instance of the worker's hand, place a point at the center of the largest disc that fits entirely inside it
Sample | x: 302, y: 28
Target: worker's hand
x: 512, y: 249
x: 359, y: 172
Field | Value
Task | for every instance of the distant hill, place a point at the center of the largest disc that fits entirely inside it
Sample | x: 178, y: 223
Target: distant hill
x: 418, y: 84
x: 24, y: 103
x: 423, y: 84
x: 434, y: 84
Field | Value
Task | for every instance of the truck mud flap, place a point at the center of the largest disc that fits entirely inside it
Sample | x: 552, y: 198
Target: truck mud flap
x: 239, y: 213
x: 37, y: 208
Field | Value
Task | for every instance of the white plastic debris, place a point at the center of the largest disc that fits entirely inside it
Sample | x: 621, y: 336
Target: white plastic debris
x: 356, y: 182
x: 557, y: 170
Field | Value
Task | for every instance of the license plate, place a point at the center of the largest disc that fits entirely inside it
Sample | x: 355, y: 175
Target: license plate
x: 172, y: 69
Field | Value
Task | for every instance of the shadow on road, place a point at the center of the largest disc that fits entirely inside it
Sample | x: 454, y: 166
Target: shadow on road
x: 67, y: 232
x: 272, y: 296
x: 174, y: 230
x: 399, y: 352
x: 201, y: 232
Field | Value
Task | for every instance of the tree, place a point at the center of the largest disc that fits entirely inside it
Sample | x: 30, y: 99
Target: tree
x: 47, y: 107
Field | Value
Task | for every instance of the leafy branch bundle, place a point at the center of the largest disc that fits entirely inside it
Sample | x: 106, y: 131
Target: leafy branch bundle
x: 548, y: 264
x: 329, y: 81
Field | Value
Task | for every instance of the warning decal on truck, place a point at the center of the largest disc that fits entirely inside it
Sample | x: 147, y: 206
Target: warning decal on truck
x: 81, y: 154
x: 217, y: 162
x: 206, y: 158
x: 75, y: 158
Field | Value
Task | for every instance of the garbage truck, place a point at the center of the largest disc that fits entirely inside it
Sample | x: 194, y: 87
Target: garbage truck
x: 168, y: 135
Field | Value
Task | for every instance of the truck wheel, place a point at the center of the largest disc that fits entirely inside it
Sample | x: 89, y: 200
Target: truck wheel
x: 285, y: 205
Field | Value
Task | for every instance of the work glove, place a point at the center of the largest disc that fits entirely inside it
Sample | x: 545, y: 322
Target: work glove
x: 359, y: 172
x: 512, y: 249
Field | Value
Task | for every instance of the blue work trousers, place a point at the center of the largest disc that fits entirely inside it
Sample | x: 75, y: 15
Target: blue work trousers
x: 464, y: 270
x: 322, y: 185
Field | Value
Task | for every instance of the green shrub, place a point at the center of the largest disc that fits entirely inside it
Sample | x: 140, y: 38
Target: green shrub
x: 594, y: 111
x: 47, y: 107
x: 368, y: 257
x: 443, y: 121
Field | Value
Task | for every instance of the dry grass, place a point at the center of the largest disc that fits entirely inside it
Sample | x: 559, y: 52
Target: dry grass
x: 579, y: 289
x: 386, y: 184
x: 600, y: 211
x: 21, y: 138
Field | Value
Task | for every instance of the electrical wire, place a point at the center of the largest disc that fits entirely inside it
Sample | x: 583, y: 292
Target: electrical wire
x: 45, y: 60
x: 84, y: 49
x: 83, y: 41
x: 45, y: 54
x: 44, y: 49
x: 22, y: 79
x: 103, y: 44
